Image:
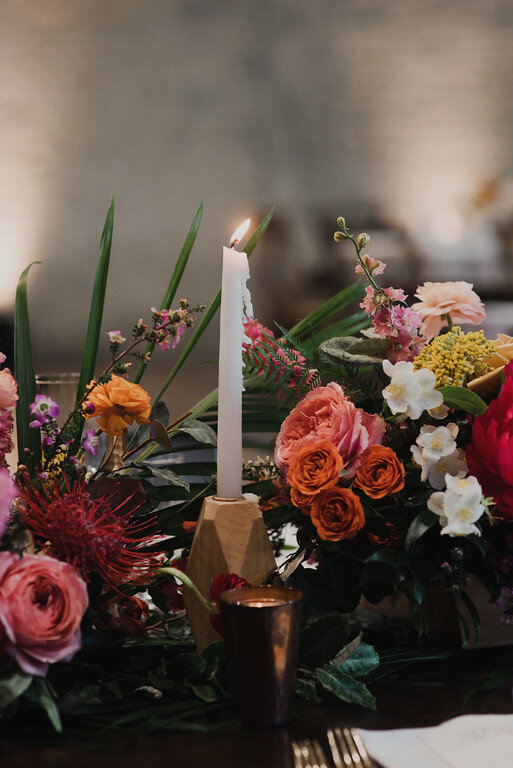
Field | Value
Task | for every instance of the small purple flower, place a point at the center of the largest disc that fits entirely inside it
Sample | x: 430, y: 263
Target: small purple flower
x: 47, y: 440
x: 91, y: 442
x: 43, y: 409
x: 89, y: 407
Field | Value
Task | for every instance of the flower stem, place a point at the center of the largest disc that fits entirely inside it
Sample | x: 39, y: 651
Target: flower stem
x: 369, y: 275
x: 180, y: 575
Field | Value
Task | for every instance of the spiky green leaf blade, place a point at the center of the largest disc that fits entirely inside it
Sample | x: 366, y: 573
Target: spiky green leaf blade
x: 94, y: 326
x: 337, y: 682
x: 212, y: 309
x: 174, y: 282
x: 28, y: 438
x: 337, y: 303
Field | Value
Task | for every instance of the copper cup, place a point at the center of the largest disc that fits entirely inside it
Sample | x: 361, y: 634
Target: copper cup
x: 261, y: 630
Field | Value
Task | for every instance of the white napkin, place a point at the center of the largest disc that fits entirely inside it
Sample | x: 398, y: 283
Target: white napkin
x: 471, y: 741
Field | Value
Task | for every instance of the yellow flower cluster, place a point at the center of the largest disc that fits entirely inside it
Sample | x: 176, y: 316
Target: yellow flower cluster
x: 455, y: 356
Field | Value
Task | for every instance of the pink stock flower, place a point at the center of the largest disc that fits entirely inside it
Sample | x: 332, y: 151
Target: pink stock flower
x: 42, y: 602
x: 373, y: 266
x: 255, y: 331
x: 326, y: 414
x: 6, y: 429
x: 456, y: 299
x: 8, y: 390
x: 8, y: 492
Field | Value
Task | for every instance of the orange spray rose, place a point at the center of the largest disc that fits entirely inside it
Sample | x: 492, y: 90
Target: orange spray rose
x: 337, y: 514
x: 380, y: 472
x: 314, y: 467
x: 117, y: 404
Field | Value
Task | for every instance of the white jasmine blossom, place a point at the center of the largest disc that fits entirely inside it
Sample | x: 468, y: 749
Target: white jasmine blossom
x: 459, y: 507
x: 437, y: 441
x: 435, y: 472
x: 410, y: 392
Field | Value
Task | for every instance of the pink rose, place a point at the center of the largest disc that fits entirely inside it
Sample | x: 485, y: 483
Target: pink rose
x: 326, y: 414
x: 42, y: 602
x: 456, y: 299
x: 8, y: 389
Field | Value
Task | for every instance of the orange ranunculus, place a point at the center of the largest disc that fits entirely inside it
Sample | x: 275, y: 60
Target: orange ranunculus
x: 314, y: 467
x: 117, y: 404
x: 337, y: 514
x: 380, y: 472
x: 302, y: 501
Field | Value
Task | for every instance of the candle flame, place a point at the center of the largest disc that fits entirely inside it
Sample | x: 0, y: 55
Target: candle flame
x: 239, y: 233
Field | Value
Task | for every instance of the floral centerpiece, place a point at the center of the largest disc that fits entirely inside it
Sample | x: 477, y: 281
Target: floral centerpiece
x: 397, y: 457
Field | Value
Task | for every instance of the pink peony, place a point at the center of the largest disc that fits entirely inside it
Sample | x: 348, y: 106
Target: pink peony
x: 8, y: 492
x: 457, y: 299
x: 42, y: 602
x: 8, y: 389
x: 326, y: 414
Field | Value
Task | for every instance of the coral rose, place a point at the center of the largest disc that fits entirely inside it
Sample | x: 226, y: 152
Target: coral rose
x: 314, y: 467
x: 456, y: 299
x: 380, y: 472
x: 490, y: 453
x: 42, y: 602
x: 491, y: 382
x: 337, y: 514
x: 326, y: 414
x: 117, y: 404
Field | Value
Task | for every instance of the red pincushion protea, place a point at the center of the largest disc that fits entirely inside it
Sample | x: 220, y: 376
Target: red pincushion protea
x: 90, y: 534
x: 220, y: 584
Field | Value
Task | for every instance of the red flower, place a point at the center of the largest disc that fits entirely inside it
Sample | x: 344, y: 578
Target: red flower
x: 220, y: 584
x: 490, y: 453
x: 171, y: 590
x: 90, y: 534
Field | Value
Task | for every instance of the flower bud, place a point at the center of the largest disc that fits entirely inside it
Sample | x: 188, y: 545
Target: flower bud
x: 363, y: 239
x: 339, y: 236
x: 341, y: 222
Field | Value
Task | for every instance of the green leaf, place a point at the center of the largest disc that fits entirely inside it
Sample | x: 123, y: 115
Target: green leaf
x: 186, y: 665
x: 463, y: 399
x: 158, y: 432
x: 13, y: 687
x: 307, y: 690
x: 420, y: 524
x: 337, y: 682
x: 323, y: 639
x: 473, y: 612
x: 362, y: 661
x: 164, y: 474
x: 199, y: 431
x: 45, y: 698
x: 212, y: 309
x: 94, y: 326
x: 204, y: 691
x: 24, y: 373
x: 337, y: 303
x: 174, y: 282
x: 350, y: 349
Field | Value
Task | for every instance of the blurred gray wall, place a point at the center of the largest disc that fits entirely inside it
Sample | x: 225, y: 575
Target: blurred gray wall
x: 402, y: 105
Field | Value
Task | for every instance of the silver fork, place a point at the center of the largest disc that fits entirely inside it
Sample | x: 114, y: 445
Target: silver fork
x: 348, y: 750
x: 308, y: 754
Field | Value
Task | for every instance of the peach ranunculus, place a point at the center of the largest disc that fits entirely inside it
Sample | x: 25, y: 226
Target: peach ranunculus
x: 325, y: 413
x: 380, y: 472
x: 337, y: 514
x: 117, y: 404
x: 8, y: 390
x: 314, y: 467
x: 42, y: 602
x: 491, y: 382
x: 456, y: 299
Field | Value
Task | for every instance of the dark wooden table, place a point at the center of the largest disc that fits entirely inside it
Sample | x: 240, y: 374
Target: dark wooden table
x: 411, y: 700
